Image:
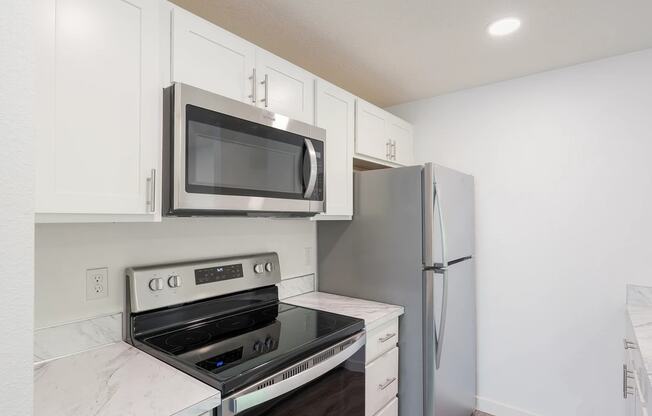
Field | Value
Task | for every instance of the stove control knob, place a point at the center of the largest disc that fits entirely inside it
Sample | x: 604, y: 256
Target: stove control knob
x: 269, y: 267
x: 258, y: 346
x: 269, y: 343
x: 259, y: 268
x: 174, y: 281
x: 156, y: 284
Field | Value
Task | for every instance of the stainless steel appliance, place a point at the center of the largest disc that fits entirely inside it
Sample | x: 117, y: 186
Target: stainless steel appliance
x: 222, y: 156
x: 411, y: 242
x: 220, y: 320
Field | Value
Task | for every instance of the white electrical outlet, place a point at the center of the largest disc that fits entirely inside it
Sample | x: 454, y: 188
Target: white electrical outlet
x: 97, y: 283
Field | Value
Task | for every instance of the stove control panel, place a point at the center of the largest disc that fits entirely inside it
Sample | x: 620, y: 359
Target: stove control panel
x: 152, y: 287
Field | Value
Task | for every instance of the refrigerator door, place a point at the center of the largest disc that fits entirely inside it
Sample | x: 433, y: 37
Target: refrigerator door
x: 455, y: 206
x: 455, y: 379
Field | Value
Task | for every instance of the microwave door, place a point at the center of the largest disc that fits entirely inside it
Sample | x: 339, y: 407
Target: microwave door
x: 225, y: 164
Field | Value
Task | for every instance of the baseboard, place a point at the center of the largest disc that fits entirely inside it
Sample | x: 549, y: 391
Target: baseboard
x: 499, y: 409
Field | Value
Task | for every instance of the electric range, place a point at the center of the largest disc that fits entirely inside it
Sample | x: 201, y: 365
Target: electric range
x: 220, y: 320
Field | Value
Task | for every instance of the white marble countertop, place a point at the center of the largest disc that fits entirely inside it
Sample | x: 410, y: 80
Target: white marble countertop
x: 374, y: 314
x: 117, y: 379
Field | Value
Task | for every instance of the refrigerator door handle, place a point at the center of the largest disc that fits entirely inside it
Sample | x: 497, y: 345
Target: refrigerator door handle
x: 442, y: 270
x: 429, y: 342
x: 436, y: 205
x: 439, y: 340
x: 428, y: 214
x: 433, y: 338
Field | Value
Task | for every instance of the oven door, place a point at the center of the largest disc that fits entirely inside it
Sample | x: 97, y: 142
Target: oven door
x: 230, y: 156
x: 329, y: 383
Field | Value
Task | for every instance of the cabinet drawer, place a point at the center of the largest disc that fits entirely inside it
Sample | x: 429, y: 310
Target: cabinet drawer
x: 390, y: 409
x: 640, y: 373
x: 381, y: 381
x: 381, y: 340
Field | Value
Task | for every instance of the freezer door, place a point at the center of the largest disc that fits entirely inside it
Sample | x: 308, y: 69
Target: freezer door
x: 455, y: 379
x: 453, y: 207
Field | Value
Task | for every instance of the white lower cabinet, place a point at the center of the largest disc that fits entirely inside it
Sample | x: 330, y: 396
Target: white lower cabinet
x: 636, y: 383
x: 97, y: 116
x: 381, y: 340
x: 391, y: 409
x: 381, y: 371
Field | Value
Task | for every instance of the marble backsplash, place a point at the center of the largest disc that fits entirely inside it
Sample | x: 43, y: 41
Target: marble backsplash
x: 639, y: 295
x: 75, y: 337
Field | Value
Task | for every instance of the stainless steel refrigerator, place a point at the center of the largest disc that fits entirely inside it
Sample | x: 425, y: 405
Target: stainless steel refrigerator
x: 411, y: 243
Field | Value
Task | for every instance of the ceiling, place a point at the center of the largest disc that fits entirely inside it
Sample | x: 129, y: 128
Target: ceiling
x: 393, y: 51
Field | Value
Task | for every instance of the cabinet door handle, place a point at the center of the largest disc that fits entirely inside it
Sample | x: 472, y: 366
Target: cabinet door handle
x: 151, y: 187
x: 394, y: 150
x: 266, y: 84
x: 386, y: 383
x: 254, y: 84
x: 388, y: 152
x: 627, y: 390
x: 387, y: 337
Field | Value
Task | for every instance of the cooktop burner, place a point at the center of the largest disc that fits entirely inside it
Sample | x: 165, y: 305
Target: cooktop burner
x: 195, y: 336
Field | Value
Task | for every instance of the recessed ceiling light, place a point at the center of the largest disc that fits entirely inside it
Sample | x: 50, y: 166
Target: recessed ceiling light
x: 504, y: 26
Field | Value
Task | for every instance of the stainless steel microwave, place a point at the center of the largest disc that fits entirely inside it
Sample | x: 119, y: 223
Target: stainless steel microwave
x: 224, y: 157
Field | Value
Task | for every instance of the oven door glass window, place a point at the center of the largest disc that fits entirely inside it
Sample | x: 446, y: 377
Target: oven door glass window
x: 230, y: 156
x: 338, y: 392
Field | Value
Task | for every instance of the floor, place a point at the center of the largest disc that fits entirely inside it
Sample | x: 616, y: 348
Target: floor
x: 479, y: 413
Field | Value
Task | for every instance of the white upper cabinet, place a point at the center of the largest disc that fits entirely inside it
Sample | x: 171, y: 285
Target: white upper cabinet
x: 335, y: 112
x: 98, y: 109
x: 381, y: 136
x: 208, y: 57
x: 401, y: 137
x: 370, y: 127
x: 284, y: 87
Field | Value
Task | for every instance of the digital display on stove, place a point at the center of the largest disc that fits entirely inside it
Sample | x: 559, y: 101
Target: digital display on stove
x: 219, y: 361
x: 218, y: 274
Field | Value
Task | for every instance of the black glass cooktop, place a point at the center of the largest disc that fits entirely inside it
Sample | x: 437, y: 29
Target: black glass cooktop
x: 232, y: 351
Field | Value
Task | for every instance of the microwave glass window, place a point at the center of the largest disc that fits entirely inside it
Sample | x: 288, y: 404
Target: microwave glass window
x: 226, y: 155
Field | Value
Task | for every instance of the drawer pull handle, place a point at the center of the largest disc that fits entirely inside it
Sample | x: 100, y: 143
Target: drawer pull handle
x: 386, y: 383
x: 629, y: 345
x: 387, y: 337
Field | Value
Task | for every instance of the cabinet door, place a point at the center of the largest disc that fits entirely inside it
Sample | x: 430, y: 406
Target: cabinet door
x: 334, y: 112
x: 371, y: 131
x: 98, y: 112
x: 208, y: 57
x: 401, y: 137
x: 284, y: 87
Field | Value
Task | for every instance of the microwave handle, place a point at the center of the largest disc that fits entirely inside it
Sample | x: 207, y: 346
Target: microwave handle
x: 312, y: 180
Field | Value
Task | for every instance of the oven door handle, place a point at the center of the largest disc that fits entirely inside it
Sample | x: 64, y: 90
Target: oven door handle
x: 312, y: 179
x: 313, y: 367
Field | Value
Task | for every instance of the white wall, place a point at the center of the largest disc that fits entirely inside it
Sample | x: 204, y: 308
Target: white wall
x: 563, y: 169
x: 16, y: 206
x: 65, y: 251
